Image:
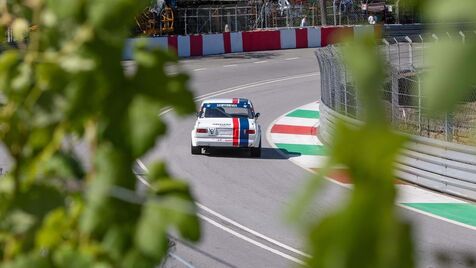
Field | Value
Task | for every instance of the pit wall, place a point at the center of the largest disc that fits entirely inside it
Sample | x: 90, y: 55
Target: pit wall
x: 222, y: 43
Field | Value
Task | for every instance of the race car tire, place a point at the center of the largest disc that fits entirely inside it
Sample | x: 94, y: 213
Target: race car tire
x: 196, y: 149
x: 256, y: 152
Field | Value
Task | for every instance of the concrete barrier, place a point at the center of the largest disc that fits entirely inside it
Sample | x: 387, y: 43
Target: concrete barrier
x: 220, y: 43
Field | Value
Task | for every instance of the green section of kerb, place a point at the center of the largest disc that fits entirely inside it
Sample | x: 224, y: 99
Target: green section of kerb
x: 302, y: 149
x: 304, y: 114
x: 460, y: 212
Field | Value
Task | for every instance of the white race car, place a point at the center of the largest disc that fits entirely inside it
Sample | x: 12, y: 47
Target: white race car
x: 227, y: 123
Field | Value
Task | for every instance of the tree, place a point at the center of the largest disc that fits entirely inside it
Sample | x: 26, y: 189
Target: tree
x: 66, y: 82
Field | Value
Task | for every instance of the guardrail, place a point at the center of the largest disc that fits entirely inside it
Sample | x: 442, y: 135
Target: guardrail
x: 441, y: 166
x: 439, y: 155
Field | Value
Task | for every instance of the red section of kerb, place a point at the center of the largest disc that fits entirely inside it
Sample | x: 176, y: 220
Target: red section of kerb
x: 196, y: 45
x: 298, y: 130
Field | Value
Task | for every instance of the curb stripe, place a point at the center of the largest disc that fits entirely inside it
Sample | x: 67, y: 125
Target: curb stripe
x: 304, y: 114
x: 297, y: 130
x: 303, y: 149
x: 291, y: 133
x: 464, y: 213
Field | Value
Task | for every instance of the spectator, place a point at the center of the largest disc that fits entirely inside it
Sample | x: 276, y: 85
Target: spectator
x: 371, y: 19
x: 227, y: 28
x: 303, y: 21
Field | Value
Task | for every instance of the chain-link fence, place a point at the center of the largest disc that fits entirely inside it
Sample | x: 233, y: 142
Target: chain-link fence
x: 243, y: 18
x: 401, y: 93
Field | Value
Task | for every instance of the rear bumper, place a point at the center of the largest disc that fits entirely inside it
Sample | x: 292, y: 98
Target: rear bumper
x: 223, y: 142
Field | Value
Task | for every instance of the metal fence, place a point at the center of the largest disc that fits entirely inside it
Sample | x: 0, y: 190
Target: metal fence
x: 401, y: 93
x: 243, y: 18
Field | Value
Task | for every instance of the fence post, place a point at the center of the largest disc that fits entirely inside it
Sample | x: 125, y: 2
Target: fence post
x: 185, y: 21
x: 410, y: 51
x: 448, y: 127
x: 236, y: 19
x: 197, y: 22
x: 398, y: 52
x: 387, y: 45
x: 395, y: 93
x: 419, y: 106
x: 423, y: 51
x: 210, y: 20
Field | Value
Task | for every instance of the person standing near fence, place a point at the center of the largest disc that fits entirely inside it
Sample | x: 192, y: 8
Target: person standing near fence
x: 304, y: 21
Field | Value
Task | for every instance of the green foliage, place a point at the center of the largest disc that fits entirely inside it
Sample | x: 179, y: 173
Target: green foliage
x: 453, y: 62
x: 66, y: 80
x: 367, y: 231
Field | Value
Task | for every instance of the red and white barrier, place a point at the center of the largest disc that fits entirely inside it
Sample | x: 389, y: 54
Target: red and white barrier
x: 289, y: 38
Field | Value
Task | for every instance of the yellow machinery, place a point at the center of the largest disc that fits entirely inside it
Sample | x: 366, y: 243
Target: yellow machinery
x: 153, y: 21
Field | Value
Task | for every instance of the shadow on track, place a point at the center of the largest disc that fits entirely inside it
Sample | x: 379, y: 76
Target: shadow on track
x: 266, y: 153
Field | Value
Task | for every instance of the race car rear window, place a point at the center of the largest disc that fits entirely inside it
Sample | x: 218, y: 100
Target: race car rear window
x: 226, y: 110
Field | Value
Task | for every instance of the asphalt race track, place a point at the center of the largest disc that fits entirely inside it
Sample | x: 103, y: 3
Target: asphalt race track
x: 242, y: 200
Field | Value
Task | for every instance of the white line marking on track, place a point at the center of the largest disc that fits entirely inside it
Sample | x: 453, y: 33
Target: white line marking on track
x: 199, y: 69
x: 184, y: 262
x: 222, y: 92
x: 229, y: 65
x: 251, y: 231
x: 292, y: 58
x: 259, y: 62
x: 224, y: 228
x: 256, y: 243
x: 245, y: 86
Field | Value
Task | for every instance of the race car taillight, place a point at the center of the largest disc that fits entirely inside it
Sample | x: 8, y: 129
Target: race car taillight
x: 202, y: 130
x: 250, y: 131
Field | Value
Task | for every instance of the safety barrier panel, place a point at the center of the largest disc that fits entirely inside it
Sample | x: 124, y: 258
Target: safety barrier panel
x: 437, y: 165
x: 286, y: 38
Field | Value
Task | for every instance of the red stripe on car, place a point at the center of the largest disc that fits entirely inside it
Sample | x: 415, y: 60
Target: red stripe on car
x: 236, y: 131
x: 235, y: 101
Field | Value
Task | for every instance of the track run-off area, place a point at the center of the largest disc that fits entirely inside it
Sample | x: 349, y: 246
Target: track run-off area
x: 242, y: 200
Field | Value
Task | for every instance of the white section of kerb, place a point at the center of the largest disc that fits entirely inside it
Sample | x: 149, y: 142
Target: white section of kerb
x: 310, y: 161
x: 298, y: 121
x: 294, y: 139
x: 314, y: 106
x: 412, y: 194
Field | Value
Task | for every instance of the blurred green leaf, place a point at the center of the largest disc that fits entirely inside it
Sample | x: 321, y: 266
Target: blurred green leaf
x: 159, y: 218
x: 144, y: 124
x: 451, y: 79
x: 64, y: 165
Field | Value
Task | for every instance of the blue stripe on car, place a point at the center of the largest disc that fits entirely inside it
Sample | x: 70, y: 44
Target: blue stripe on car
x: 244, y: 136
